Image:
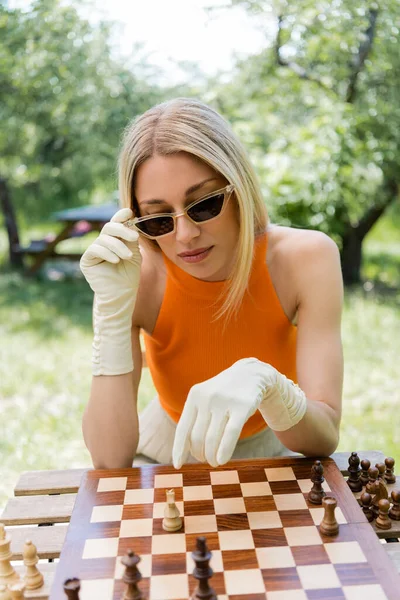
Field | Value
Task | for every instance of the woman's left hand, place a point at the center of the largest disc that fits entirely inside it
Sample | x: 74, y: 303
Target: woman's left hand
x: 216, y: 410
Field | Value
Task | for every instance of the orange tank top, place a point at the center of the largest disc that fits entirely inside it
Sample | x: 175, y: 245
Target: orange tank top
x: 188, y: 346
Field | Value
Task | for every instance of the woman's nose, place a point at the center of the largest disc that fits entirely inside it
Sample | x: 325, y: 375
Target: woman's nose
x: 186, y: 230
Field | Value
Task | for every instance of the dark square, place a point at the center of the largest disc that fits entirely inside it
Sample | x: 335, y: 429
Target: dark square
x: 285, y: 487
x: 310, y: 555
x: 137, y: 511
x: 198, y: 507
x: 108, y: 529
x: 217, y: 582
x: 109, y: 498
x: 281, y: 579
x: 120, y: 588
x: 160, y: 494
x: 231, y: 490
x: 231, y: 522
x: 163, y: 564
x: 140, y: 479
x: 267, y: 538
x: 196, y: 478
x: 345, y: 534
x: 234, y: 560
x: 259, y: 503
x: 139, y: 545
x: 211, y: 537
x: 355, y: 573
x: 252, y: 475
x: 158, y: 527
x: 295, y: 518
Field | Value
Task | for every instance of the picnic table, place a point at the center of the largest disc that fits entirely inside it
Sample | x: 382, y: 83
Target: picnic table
x: 43, y: 502
x: 75, y: 222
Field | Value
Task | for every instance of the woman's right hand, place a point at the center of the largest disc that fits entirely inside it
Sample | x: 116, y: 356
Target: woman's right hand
x: 111, y: 266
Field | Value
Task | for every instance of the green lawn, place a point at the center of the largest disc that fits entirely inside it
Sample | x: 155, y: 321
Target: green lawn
x: 45, y: 330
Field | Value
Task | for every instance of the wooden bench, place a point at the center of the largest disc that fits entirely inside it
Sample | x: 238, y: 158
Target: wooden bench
x: 43, y: 502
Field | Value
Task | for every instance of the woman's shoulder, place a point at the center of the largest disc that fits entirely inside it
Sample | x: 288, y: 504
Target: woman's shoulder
x: 291, y: 246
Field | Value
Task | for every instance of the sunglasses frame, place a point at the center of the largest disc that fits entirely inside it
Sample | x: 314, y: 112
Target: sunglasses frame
x: 227, y: 191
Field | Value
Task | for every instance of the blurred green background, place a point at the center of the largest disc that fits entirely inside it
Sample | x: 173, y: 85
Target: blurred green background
x: 318, y: 110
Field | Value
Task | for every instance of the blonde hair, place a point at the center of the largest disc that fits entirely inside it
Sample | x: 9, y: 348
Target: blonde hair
x: 188, y: 125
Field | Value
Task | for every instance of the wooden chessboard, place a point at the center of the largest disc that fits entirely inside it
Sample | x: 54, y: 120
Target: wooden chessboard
x: 259, y: 525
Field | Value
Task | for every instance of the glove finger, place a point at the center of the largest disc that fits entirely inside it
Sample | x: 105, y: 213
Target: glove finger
x: 96, y: 253
x: 229, y: 440
x: 198, y: 436
x: 124, y: 214
x: 180, y: 450
x: 120, y: 231
x: 115, y: 245
x: 214, y: 435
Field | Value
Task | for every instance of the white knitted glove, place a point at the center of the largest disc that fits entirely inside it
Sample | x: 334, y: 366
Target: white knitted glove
x: 111, y: 266
x: 216, y: 410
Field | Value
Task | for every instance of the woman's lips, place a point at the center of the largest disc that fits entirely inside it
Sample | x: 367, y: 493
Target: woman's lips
x: 195, y: 258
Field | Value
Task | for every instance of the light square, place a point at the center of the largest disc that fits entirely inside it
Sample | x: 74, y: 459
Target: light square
x: 102, y: 514
x: 362, y: 592
x: 302, y: 536
x: 236, y: 540
x: 224, y: 477
x: 169, y: 587
x: 100, y: 548
x: 197, y: 492
x: 246, y: 581
x: 136, y: 528
x: 256, y: 488
x: 280, y: 474
x: 279, y: 557
x: 215, y: 563
x: 306, y: 484
x: 345, y: 552
x: 144, y: 496
x: 268, y: 519
x: 112, y: 484
x: 159, y: 508
x: 317, y: 515
x: 169, y: 543
x: 201, y: 524
x: 290, y: 501
x: 316, y: 577
x: 287, y: 595
x: 172, y: 480
x: 144, y: 566
x: 229, y: 506
x: 101, y: 589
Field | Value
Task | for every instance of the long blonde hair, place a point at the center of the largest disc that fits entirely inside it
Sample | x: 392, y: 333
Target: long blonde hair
x: 188, y: 125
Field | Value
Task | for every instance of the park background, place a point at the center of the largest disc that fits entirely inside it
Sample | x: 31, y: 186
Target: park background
x: 312, y: 87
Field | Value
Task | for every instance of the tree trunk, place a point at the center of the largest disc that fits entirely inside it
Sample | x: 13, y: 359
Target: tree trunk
x: 11, y: 224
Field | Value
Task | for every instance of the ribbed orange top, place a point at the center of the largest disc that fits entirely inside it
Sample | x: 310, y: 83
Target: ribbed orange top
x: 187, y: 346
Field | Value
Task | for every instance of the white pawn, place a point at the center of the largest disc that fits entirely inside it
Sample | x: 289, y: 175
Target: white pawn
x: 7, y: 571
x: 17, y: 590
x: 4, y: 593
x: 172, y: 520
x: 33, y: 577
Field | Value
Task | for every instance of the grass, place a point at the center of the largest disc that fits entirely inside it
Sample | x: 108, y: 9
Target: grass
x: 45, y: 330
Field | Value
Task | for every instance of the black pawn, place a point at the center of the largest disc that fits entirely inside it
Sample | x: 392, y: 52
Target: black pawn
x: 394, y: 512
x: 202, y: 571
x: 366, y: 501
x: 365, y: 465
x: 390, y: 477
x: 373, y: 477
x: 316, y: 493
x: 381, y: 468
x: 354, y: 481
x: 131, y: 576
x: 71, y: 588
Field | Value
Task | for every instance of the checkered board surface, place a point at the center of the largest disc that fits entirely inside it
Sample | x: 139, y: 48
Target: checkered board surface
x: 259, y: 525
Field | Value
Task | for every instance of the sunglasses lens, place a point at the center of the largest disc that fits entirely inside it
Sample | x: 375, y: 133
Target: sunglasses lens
x: 156, y: 226
x: 207, y: 209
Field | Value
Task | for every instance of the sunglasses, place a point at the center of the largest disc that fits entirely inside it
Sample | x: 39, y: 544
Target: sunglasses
x: 200, y: 211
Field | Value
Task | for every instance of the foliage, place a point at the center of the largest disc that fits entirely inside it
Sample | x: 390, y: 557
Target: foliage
x: 64, y: 102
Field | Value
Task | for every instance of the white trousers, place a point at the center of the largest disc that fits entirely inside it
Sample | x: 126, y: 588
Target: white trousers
x: 157, y: 432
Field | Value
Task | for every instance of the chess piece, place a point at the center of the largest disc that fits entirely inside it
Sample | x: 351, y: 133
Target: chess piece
x: 172, y: 520
x: 4, y: 592
x: 381, y: 469
x: 202, y: 571
x: 366, y: 502
x: 381, y: 493
x: 373, y: 476
x: 394, y: 512
x: 7, y: 571
x: 383, y: 521
x: 316, y: 493
x: 33, y: 577
x: 329, y: 525
x: 131, y: 576
x: 71, y: 588
x: 389, y: 476
x: 354, y: 470
x: 17, y: 590
x: 365, y: 465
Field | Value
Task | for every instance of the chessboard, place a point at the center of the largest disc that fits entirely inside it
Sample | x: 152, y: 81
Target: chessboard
x: 260, y: 527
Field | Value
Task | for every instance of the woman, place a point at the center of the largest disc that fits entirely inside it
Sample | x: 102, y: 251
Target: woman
x: 233, y: 308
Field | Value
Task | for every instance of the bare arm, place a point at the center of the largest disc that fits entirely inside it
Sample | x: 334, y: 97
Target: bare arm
x: 110, y: 421
x: 319, y: 348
